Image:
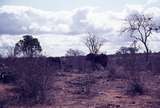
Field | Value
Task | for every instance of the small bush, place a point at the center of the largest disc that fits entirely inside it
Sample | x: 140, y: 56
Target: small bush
x: 82, y: 85
x: 135, y: 88
x: 116, y: 72
x: 111, y: 73
x: 6, y: 75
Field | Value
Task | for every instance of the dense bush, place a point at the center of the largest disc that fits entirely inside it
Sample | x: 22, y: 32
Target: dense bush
x: 6, y: 74
x: 135, y: 88
x: 55, y: 62
x: 35, y: 83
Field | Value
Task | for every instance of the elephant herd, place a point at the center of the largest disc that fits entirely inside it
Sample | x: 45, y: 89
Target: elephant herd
x: 94, y: 59
x: 58, y: 63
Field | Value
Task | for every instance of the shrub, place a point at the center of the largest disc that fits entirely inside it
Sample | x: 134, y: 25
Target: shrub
x: 135, y: 88
x: 6, y: 75
x: 111, y: 73
x: 34, y: 85
x: 82, y: 85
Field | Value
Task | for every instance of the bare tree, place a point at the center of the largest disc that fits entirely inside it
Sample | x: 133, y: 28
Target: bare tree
x: 140, y: 28
x: 10, y: 51
x: 74, y: 52
x: 94, y: 43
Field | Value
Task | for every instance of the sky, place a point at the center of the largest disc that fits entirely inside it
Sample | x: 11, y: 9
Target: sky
x: 55, y: 5
x: 63, y: 24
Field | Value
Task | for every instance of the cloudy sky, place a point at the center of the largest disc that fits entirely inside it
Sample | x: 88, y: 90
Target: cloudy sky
x: 62, y: 24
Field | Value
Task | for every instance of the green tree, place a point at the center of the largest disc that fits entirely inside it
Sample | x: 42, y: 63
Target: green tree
x: 27, y: 47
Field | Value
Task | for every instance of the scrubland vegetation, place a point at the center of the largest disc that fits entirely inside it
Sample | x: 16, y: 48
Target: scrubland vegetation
x: 127, y: 79
x: 73, y: 82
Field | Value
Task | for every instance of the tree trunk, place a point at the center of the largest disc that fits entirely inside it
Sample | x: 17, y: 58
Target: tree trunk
x: 147, y: 52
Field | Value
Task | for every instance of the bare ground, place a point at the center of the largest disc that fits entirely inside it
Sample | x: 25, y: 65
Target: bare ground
x: 104, y: 93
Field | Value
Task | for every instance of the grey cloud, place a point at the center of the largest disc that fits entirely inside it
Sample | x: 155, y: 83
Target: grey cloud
x: 18, y: 20
x: 23, y: 20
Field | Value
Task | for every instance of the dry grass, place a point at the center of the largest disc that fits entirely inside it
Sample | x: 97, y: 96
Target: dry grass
x: 109, y: 94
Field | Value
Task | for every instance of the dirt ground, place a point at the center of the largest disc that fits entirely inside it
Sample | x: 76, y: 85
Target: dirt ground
x: 104, y: 93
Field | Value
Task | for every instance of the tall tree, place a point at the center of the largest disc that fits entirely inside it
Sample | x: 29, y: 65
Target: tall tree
x: 94, y: 43
x: 27, y: 47
x: 140, y: 28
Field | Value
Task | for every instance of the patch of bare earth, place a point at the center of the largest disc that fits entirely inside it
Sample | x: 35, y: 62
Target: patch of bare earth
x: 108, y: 94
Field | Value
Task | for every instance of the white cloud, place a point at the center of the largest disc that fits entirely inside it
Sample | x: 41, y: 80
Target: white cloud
x: 22, y: 20
x: 61, y: 30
